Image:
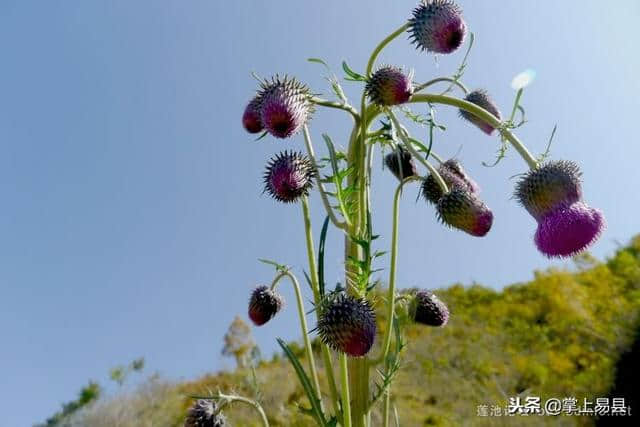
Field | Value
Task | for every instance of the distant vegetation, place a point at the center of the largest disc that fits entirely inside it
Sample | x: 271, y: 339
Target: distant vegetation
x: 560, y: 335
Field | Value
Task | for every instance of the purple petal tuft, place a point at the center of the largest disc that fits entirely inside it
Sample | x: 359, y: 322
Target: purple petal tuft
x: 567, y: 231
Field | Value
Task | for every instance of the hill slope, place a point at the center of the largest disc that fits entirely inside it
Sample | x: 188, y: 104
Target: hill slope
x: 559, y: 335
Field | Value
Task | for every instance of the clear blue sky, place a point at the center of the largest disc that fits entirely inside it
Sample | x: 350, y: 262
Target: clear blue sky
x: 131, y: 211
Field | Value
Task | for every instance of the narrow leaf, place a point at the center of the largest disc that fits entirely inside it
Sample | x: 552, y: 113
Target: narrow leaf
x: 304, y: 380
x: 352, y: 74
x: 323, y: 239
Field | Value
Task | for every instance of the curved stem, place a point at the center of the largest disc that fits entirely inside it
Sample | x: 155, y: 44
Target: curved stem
x: 483, y: 115
x: 409, y: 146
x: 391, y: 292
x: 303, y: 327
x: 382, y: 45
x: 441, y: 79
x: 323, y: 195
x: 313, y: 272
x: 337, y: 105
x: 346, y: 399
x: 226, y: 399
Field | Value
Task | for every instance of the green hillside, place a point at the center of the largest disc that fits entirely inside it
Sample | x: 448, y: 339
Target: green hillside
x: 560, y: 335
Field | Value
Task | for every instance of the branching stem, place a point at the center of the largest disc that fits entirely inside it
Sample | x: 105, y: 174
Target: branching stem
x: 483, y: 115
x: 337, y: 105
x: 441, y: 79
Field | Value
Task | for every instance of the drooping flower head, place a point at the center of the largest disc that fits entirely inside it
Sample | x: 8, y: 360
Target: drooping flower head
x: 347, y: 324
x: 454, y: 176
x: 568, y: 230
x: 400, y: 163
x: 426, y: 308
x: 554, y: 184
x: 285, y: 106
x: 437, y: 26
x: 203, y: 414
x: 288, y: 176
x: 264, y: 304
x: 465, y: 211
x: 251, y: 120
x: 389, y: 86
x: 481, y: 99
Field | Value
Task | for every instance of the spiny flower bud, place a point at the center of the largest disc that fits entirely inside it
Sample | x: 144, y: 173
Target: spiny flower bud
x: 389, y: 86
x: 203, y: 414
x: 264, y: 304
x: 437, y: 26
x: 285, y: 106
x: 400, y: 163
x: 554, y: 184
x: 453, y: 175
x: 568, y: 230
x: 251, y: 119
x: 347, y: 324
x: 288, y: 176
x: 481, y: 99
x: 426, y: 308
x: 463, y: 210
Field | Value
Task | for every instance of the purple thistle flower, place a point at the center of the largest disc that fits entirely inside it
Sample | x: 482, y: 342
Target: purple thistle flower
x: 251, y: 119
x: 288, y: 176
x: 568, y: 230
x: 389, y: 86
x: 264, y: 304
x: 348, y: 324
x: 481, y: 99
x: 454, y: 176
x: 554, y: 184
x: 463, y: 210
x: 400, y: 163
x: 203, y: 414
x: 285, y: 106
x: 426, y: 308
x: 437, y: 26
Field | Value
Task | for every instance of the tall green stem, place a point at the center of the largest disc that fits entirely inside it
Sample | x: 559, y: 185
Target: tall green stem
x: 303, y: 327
x: 313, y: 271
x: 391, y: 295
x: 391, y: 292
x: 357, y: 159
x: 346, y: 399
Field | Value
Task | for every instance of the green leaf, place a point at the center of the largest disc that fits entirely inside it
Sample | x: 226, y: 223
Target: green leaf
x: 353, y: 76
x: 306, y: 383
x: 265, y: 133
x: 306, y: 276
x: 323, y: 239
x: 547, y: 151
x: 319, y: 61
x: 279, y: 267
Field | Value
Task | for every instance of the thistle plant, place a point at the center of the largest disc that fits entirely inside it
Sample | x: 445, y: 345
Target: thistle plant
x: 362, y: 379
